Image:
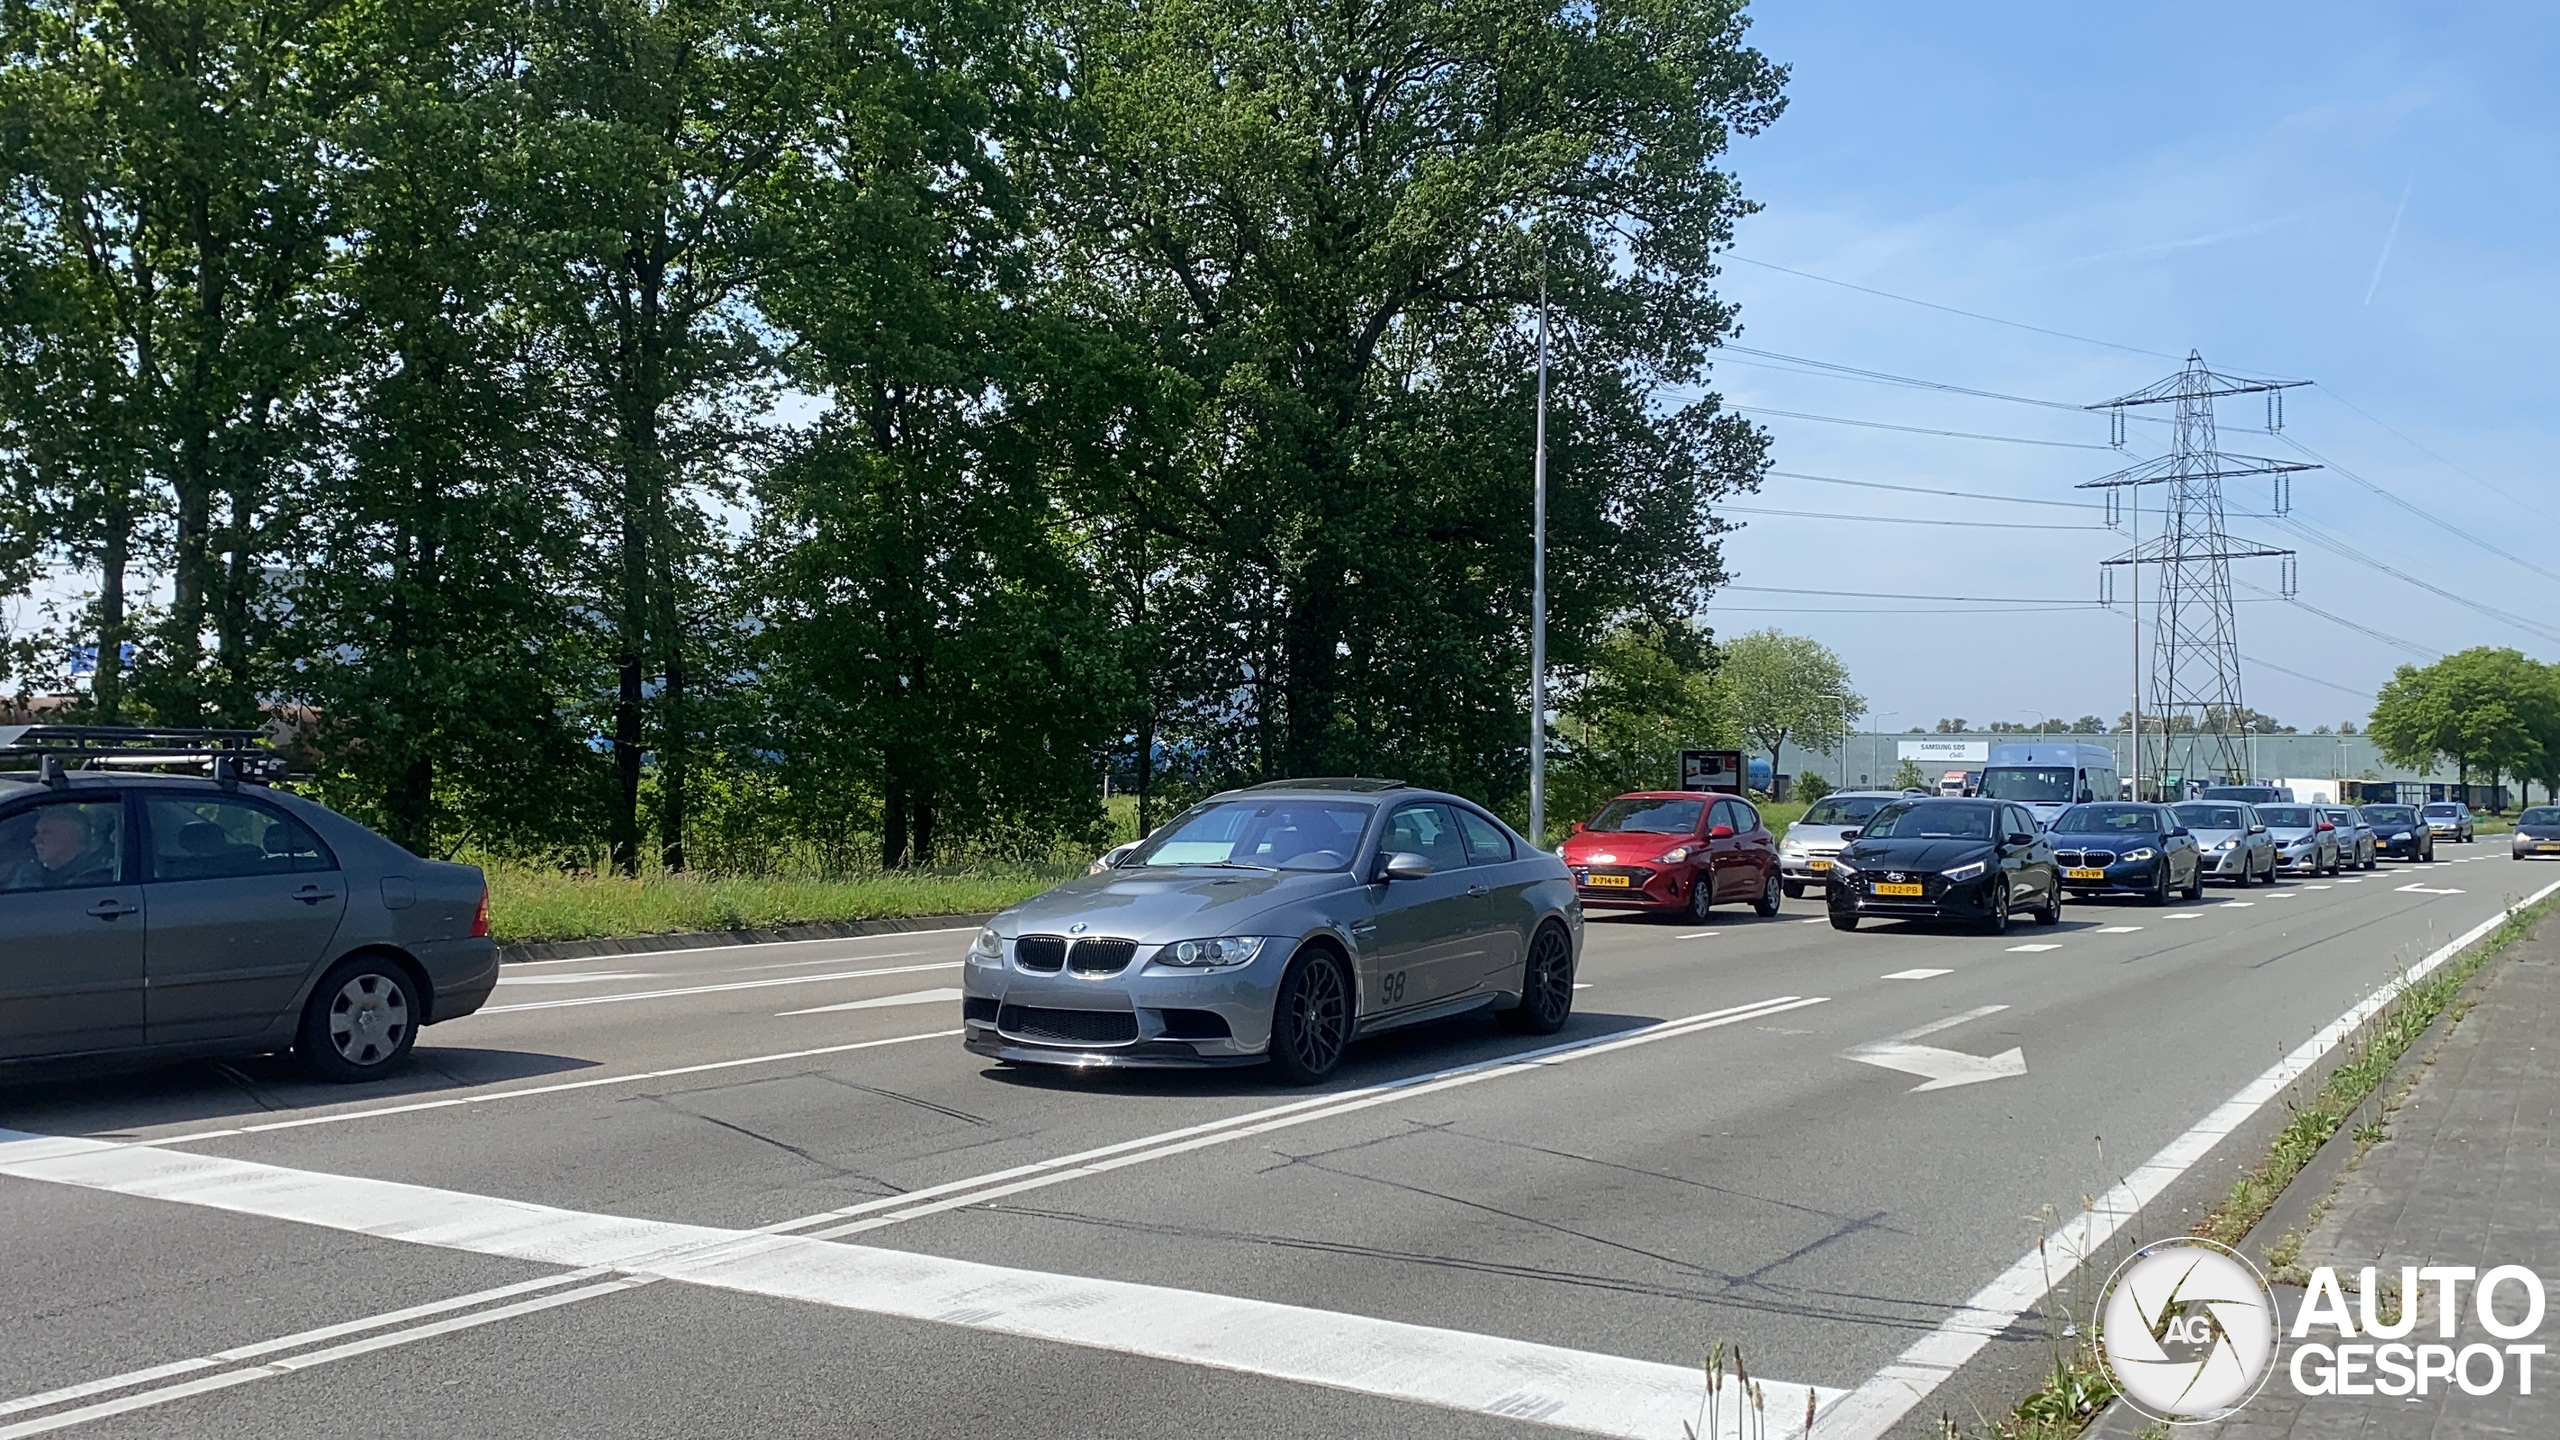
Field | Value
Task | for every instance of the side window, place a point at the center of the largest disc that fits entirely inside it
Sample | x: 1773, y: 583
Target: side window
x: 63, y: 845
x: 1721, y: 813
x: 2020, y: 822
x: 1486, y: 844
x: 1743, y: 817
x: 1427, y: 831
x: 209, y: 837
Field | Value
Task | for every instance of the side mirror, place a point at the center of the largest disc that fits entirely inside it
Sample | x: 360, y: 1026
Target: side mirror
x: 2325, y: 825
x: 1111, y: 859
x: 1405, y: 865
x: 2257, y: 829
x: 2021, y: 838
x: 1577, y: 828
x: 1848, y: 835
x: 2181, y: 830
x: 1721, y: 832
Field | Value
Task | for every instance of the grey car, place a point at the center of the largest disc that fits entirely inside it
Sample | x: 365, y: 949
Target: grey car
x: 1275, y: 925
x: 1829, y: 824
x: 2449, y: 820
x: 2357, y: 848
x: 167, y: 916
x: 2537, y: 833
x: 2236, y: 844
x: 2306, y: 839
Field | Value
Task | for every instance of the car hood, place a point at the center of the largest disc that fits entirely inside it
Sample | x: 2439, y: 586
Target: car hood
x: 1156, y: 906
x: 2287, y: 834
x: 1915, y: 854
x: 2539, y: 832
x: 1801, y: 834
x: 1621, y: 847
x: 2210, y: 838
x: 2106, y: 840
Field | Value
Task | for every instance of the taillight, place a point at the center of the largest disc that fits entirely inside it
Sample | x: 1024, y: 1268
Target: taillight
x: 480, y: 917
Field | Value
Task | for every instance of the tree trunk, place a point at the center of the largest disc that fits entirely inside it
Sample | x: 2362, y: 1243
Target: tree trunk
x: 923, y: 806
x: 115, y: 555
x: 625, y: 832
x: 412, y: 807
x: 671, y: 763
x: 893, y: 822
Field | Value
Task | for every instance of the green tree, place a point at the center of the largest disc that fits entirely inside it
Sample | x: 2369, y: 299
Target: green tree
x: 1646, y: 695
x: 1788, y: 687
x: 1907, y: 776
x: 1328, y: 231
x: 2483, y: 709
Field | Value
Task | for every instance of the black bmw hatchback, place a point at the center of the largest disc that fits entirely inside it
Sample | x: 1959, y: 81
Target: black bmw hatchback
x: 1947, y: 859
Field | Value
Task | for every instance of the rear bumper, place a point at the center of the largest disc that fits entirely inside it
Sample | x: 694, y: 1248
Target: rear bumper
x: 460, y: 975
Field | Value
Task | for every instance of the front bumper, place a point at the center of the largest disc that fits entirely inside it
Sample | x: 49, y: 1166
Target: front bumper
x: 1940, y: 899
x: 2135, y: 877
x: 2410, y: 848
x: 2527, y: 846
x: 2227, y: 864
x: 2308, y: 862
x: 1149, y: 1017
x: 1648, y: 887
x: 1811, y: 867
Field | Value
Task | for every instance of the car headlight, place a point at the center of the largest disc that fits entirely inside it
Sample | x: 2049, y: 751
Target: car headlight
x: 1795, y: 851
x: 2403, y: 835
x: 2226, y: 845
x: 2136, y: 856
x: 1967, y: 872
x: 1840, y: 866
x: 1203, y: 954
x: 988, y: 948
x: 1672, y: 856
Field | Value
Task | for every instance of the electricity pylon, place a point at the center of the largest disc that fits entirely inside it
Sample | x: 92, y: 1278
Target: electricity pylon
x: 2195, y: 693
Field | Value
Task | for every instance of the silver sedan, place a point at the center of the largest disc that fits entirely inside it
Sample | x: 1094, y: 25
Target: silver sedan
x: 2236, y: 844
x: 1277, y: 924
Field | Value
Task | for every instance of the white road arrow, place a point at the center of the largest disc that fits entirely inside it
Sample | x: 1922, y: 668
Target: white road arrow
x: 1942, y: 1069
x: 2428, y: 890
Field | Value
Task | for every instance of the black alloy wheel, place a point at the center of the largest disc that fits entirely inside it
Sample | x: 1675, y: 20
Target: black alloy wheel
x: 1844, y: 917
x: 1546, y: 986
x: 1766, y: 907
x: 2159, y: 884
x: 1702, y: 893
x: 2050, y: 912
x: 1997, y: 921
x: 2195, y: 881
x: 2373, y: 858
x: 1311, y: 1021
x: 1795, y: 889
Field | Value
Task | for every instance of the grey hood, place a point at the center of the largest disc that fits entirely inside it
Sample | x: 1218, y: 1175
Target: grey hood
x: 1156, y: 906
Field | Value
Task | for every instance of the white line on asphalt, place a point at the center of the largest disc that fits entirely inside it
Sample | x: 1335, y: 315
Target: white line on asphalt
x: 1891, y: 1393
x: 1917, y: 974
x: 1813, y: 922
x: 625, y: 957
x: 715, y: 989
x: 2427, y: 890
x: 1948, y: 1023
x: 2184, y: 915
x: 1581, y: 984
x: 912, y: 997
x: 578, y: 979
x: 449, y: 1102
x: 2031, y: 949
x: 2238, y: 904
x: 2117, y: 929
x: 1452, y: 1369
x: 2324, y: 887
x: 1699, y: 935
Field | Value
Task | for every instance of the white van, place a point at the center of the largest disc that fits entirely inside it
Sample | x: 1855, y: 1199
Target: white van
x: 2050, y: 778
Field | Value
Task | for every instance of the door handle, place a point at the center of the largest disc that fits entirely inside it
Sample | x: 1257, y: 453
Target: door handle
x: 313, y: 895
x: 110, y: 909
x: 1479, y: 890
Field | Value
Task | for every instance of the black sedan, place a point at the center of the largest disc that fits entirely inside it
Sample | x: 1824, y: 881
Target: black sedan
x: 2399, y: 833
x: 2112, y: 849
x: 1946, y: 859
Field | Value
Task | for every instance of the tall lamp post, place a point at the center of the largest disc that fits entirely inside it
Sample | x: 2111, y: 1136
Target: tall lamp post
x: 1538, y: 592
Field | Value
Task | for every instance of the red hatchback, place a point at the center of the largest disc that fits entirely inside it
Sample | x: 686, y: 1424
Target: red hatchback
x: 1674, y: 850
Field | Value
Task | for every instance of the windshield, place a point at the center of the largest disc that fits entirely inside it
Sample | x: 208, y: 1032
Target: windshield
x: 2292, y: 817
x: 2209, y: 817
x: 1263, y: 834
x: 1921, y: 820
x: 1649, y: 817
x: 2390, y: 815
x: 2108, y: 820
x: 2035, y: 787
x: 1854, y: 810
x: 2544, y: 815
x: 2340, y: 817
x: 2446, y: 811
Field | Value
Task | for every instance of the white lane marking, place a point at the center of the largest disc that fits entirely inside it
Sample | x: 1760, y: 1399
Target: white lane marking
x: 1699, y: 935
x: 1452, y: 1369
x: 2031, y: 949
x: 1892, y: 1392
x: 912, y: 997
x: 2117, y: 929
x: 2184, y: 915
x: 2323, y: 887
x: 2350, y: 882
x: 505, y: 979
x: 714, y: 989
x: 626, y: 957
x: 1917, y: 974
x: 1581, y: 984
x: 2237, y: 904
x: 448, y: 1102
x: 2427, y: 890
x: 1813, y: 922
x: 1941, y: 1069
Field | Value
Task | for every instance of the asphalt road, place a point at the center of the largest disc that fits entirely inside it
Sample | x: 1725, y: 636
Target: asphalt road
x: 763, y: 1191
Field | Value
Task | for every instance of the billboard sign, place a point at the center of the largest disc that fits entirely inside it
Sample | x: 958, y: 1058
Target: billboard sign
x: 1712, y: 770
x: 1945, y: 752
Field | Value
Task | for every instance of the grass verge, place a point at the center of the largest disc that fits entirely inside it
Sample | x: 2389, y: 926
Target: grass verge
x: 2079, y: 1388
x: 528, y: 903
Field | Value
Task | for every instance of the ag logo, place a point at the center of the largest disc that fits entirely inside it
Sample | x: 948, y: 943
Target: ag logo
x: 2188, y: 1331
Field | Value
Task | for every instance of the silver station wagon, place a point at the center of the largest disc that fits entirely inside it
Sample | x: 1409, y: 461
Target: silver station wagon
x: 1277, y: 924
x: 168, y: 916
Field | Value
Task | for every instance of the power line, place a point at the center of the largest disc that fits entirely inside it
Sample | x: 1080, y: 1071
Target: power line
x: 2421, y: 512
x: 1880, y: 377
x: 1952, y: 310
x: 2500, y: 491
x: 1904, y: 519
x: 1934, y: 490
x: 1891, y: 595
x: 2297, y: 602
x: 1888, y: 609
x: 2298, y: 675
x: 2336, y: 546
x: 1920, y: 429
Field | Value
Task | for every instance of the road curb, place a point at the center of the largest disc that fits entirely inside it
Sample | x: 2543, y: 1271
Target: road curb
x: 706, y: 939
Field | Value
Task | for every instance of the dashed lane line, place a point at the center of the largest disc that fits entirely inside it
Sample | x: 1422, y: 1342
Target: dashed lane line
x: 889, y: 937
x: 2117, y: 929
x: 2031, y: 949
x: 724, y: 986
x: 1917, y: 974
x: 945, y: 996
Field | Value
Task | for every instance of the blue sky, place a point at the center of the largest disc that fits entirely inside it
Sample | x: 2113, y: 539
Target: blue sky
x: 2165, y: 177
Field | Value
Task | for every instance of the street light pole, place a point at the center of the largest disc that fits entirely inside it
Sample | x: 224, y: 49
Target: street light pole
x: 1538, y: 590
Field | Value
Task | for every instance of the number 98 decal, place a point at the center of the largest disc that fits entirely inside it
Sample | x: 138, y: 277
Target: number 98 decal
x: 1391, y: 987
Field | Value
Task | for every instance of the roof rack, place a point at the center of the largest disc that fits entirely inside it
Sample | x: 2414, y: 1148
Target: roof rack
x: 1331, y: 782
x: 229, y: 756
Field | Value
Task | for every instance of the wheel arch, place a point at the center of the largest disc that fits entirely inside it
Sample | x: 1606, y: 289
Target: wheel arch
x: 407, y: 963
